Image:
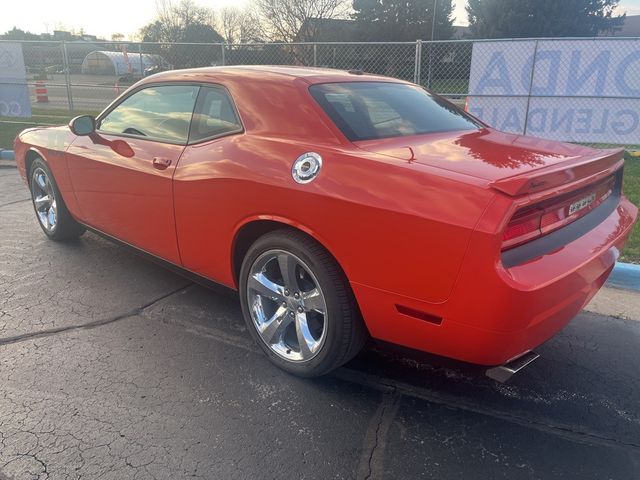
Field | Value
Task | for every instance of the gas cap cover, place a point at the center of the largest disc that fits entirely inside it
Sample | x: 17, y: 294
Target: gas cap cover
x: 306, y: 167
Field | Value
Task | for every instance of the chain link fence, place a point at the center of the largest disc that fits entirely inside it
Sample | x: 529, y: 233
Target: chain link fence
x: 511, y: 84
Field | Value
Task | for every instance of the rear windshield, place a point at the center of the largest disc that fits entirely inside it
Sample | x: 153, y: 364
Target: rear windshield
x: 371, y: 110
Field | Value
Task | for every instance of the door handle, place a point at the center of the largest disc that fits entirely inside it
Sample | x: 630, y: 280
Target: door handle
x: 161, y: 163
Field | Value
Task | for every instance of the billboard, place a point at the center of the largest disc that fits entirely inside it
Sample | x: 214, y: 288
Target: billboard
x: 572, y: 90
x: 14, y: 92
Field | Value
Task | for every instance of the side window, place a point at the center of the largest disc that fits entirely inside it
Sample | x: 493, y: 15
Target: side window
x: 160, y: 113
x: 214, y: 115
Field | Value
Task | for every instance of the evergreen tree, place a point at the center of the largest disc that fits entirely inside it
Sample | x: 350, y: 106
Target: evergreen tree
x: 409, y: 20
x: 542, y: 18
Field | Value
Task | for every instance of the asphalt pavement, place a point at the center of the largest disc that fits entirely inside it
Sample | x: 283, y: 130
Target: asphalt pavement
x: 113, y: 367
x: 88, y: 92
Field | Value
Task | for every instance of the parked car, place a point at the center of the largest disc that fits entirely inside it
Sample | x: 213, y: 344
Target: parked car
x: 128, y: 78
x: 340, y: 205
x: 152, y: 70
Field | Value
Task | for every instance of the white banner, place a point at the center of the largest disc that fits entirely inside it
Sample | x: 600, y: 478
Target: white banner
x: 581, y: 90
x: 14, y: 93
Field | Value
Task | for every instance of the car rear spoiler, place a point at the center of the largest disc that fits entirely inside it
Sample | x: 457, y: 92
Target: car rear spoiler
x: 597, y: 165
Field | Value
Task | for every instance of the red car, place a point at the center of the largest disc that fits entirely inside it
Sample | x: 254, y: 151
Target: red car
x: 341, y: 205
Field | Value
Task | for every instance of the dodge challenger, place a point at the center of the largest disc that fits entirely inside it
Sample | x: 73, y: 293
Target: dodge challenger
x: 340, y: 206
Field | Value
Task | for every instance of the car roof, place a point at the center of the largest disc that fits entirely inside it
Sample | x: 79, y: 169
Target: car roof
x: 272, y: 100
x: 310, y: 75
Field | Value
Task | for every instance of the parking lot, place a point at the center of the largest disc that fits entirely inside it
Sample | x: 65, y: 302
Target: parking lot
x: 89, y: 92
x: 113, y: 367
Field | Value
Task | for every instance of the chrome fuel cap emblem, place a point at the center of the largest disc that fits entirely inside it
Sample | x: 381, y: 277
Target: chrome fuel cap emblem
x: 306, y: 167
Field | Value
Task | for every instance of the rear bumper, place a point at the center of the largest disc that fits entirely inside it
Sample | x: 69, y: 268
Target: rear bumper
x: 496, y: 314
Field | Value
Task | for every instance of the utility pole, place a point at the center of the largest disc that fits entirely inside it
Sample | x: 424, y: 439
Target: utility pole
x: 433, y: 20
x: 433, y: 34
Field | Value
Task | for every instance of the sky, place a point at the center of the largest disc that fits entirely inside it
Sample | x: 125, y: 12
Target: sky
x: 104, y: 18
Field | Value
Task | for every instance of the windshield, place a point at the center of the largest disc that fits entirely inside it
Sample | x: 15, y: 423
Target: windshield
x: 372, y: 110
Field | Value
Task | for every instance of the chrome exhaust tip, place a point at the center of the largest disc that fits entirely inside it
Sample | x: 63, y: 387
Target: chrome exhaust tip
x: 503, y: 373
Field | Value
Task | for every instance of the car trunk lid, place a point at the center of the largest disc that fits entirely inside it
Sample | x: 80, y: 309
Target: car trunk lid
x: 512, y: 164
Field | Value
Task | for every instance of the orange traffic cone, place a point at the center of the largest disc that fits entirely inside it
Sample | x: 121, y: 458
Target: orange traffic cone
x: 42, y: 95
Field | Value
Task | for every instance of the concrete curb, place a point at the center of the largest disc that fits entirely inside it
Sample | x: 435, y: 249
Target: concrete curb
x: 6, y: 154
x: 626, y: 276
x: 7, y: 159
x: 616, y: 302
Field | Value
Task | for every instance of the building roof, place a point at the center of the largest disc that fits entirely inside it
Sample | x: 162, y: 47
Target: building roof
x: 630, y: 28
x: 133, y: 63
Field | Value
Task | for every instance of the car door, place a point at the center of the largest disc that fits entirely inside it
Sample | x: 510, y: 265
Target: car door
x: 202, y: 183
x: 122, y: 174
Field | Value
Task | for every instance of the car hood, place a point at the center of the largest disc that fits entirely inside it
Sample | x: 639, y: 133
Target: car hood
x: 499, y: 158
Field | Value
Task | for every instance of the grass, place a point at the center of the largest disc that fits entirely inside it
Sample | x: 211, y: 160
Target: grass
x: 631, y: 189
x: 458, y: 86
x: 10, y: 127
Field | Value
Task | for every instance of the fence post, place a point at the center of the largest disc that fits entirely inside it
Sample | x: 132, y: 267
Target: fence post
x: 431, y: 45
x: 533, y: 70
x: 418, y: 62
x: 140, y: 56
x: 67, y: 76
x: 222, y: 58
x: 315, y: 54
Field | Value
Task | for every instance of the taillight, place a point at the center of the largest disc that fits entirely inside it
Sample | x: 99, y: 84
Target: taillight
x: 535, y: 221
x: 522, y: 228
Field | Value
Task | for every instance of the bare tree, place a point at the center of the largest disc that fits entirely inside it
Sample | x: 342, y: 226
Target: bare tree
x: 285, y: 18
x: 176, y: 18
x: 183, y: 22
x: 239, y: 25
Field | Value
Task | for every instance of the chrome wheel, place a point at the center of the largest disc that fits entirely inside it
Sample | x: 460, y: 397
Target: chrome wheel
x: 287, y: 305
x: 44, y: 199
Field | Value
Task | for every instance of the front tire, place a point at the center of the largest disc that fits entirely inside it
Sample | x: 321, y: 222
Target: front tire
x: 298, y: 304
x: 52, y: 214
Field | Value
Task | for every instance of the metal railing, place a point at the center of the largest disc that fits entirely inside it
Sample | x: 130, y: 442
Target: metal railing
x: 87, y: 76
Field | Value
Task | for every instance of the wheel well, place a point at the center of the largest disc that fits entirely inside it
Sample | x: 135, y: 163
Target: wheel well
x: 29, y: 158
x: 247, y: 235
x: 250, y: 232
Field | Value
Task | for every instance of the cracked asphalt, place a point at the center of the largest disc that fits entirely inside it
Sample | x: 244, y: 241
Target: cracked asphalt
x: 112, y: 367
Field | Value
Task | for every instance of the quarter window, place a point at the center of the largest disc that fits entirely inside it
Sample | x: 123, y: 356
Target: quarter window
x: 214, y: 115
x: 159, y: 113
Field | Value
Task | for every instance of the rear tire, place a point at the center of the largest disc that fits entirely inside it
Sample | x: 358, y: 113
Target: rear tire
x: 52, y: 214
x: 298, y: 304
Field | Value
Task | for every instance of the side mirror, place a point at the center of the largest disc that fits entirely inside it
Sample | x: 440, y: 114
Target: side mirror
x: 83, y: 125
